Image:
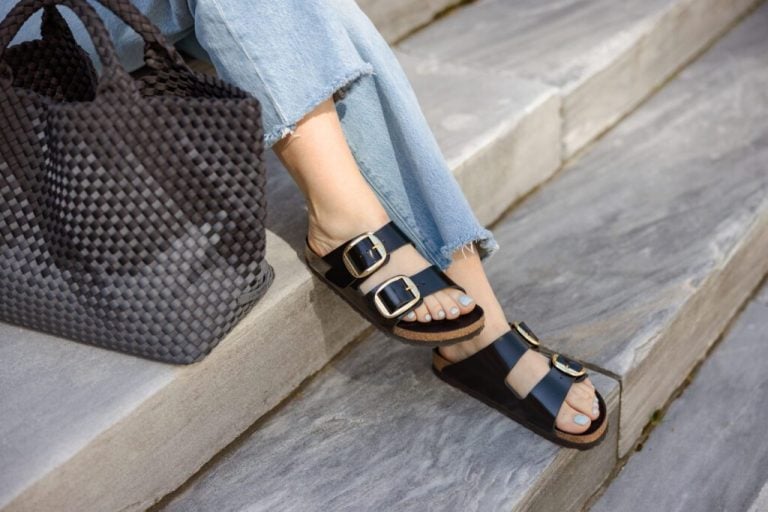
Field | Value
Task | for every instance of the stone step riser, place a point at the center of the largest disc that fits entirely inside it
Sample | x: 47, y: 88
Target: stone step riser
x: 689, y: 336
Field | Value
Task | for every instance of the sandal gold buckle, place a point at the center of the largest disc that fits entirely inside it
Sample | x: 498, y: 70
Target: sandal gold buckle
x: 409, y: 286
x: 526, y: 334
x: 566, y: 368
x: 376, y: 244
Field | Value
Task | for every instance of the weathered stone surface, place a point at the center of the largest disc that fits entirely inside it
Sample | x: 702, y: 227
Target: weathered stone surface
x: 395, y: 18
x: 761, y: 502
x: 762, y: 297
x: 605, y: 56
x: 635, y: 257
x: 170, y: 420
x: 377, y: 431
x: 709, y: 452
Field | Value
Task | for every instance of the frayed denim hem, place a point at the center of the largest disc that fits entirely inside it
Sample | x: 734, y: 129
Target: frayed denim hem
x: 483, y: 239
x: 336, y: 88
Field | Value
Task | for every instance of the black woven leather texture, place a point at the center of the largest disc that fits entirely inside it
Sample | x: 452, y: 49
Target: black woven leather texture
x: 132, y: 210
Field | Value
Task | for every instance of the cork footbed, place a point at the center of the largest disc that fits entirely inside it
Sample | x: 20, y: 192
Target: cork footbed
x: 435, y: 332
x: 593, y: 436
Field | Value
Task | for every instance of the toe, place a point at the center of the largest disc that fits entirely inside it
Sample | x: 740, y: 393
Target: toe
x: 435, y: 308
x: 422, y: 313
x: 411, y: 316
x: 447, y: 304
x: 461, y: 300
x: 571, y: 420
x: 582, y: 398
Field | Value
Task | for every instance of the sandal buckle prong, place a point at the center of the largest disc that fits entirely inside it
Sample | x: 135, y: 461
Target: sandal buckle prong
x: 376, y: 245
x: 410, y: 286
x: 564, y: 365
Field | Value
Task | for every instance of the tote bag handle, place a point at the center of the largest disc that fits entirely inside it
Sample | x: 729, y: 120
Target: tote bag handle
x: 157, y: 52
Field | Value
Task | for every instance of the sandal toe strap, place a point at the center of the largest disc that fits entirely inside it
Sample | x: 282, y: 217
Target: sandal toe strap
x: 551, y: 390
x: 550, y: 393
x: 432, y: 279
x: 394, y: 298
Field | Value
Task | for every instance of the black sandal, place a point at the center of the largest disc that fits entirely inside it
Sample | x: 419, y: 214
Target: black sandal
x: 483, y: 376
x: 344, y: 268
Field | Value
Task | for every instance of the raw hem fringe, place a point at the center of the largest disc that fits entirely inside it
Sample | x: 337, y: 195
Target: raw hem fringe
x: 483, y: 239
x: 341, y: 85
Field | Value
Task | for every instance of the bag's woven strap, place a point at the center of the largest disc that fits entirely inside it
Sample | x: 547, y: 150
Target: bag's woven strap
x: 158, y: 52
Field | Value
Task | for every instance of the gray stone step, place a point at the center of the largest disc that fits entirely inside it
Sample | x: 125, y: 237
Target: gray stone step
x: 634, y: 259
x: 604, y: 56
x: 376, y: 430
x: 396, y: 18
x: 84, y: 418
x: 708, y: 454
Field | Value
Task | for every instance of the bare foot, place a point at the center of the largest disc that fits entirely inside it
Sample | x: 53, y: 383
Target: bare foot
x: 580, y: 406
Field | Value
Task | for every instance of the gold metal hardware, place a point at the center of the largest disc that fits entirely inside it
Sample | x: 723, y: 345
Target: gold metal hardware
x: 566, y: 368
x: 409, y: 286
x: 377, y: 245
x: 528, y: 336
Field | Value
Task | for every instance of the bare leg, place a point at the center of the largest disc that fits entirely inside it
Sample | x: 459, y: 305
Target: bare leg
x: 342, y: 204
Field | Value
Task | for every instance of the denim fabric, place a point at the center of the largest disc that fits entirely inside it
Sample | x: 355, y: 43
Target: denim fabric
x: 292, y: 55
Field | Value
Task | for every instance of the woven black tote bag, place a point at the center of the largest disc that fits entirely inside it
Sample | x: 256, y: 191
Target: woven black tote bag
x: 131, y: 209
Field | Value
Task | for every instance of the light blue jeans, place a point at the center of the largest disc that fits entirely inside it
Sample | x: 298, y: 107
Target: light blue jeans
x: 294, y: 54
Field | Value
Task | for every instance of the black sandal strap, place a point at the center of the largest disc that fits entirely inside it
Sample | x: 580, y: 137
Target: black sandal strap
x: 359, y: 257
x: 551, y: 390
x: 432, y: 279
x: 396, y: 297
x: 487, y: 369
x: 487, y: 364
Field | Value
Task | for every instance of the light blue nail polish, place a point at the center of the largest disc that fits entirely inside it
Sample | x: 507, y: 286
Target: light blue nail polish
x: 411, y: 315
x: 454, y: 310
x: 441, y: 314
x: 580, y: 419
x: 465, y: 300
x: 427, y: 318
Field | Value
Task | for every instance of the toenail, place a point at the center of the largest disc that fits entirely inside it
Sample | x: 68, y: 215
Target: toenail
x: 580, y: 419
x: 454, y: 310
x: 441, y: 314
x: 465, y: 300
x: 427, y: 318
x: 411, y: 315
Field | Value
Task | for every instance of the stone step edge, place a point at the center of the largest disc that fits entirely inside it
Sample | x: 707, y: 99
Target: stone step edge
x: 734, y: 290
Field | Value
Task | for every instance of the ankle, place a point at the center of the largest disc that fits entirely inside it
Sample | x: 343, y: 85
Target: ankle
x: 330, y: 228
